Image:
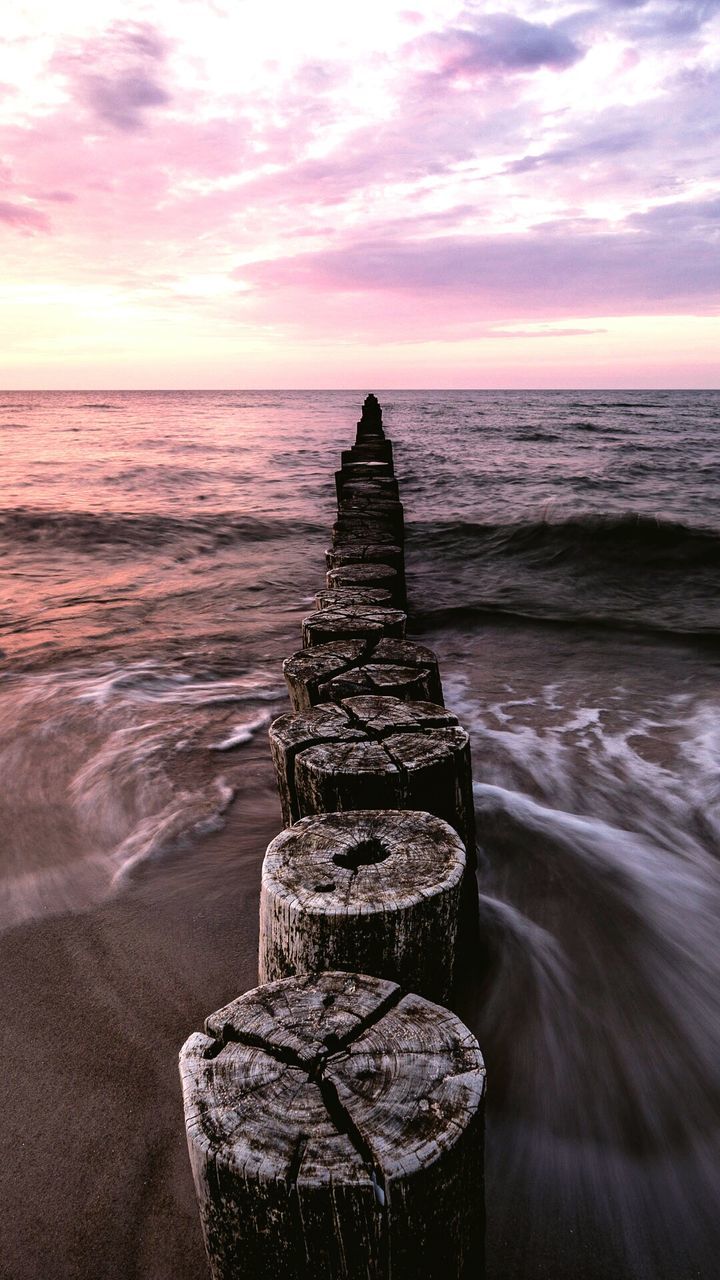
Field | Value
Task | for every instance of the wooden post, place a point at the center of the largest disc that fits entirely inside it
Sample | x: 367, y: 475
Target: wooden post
x: 375, y: 753
x: 371, y: 522
x: 339, y: 597
x: 335, y: 1131
x: 382, y: 486
x: 350, y: 668
x: 362, y: 551
x: 368, y: 451
x: 358, y: 621
x: 375, y: 891
x: 365, y: 575
x: 368, y: 469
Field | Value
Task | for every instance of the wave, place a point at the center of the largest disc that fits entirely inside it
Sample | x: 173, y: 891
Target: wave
x: 88, y: 530
x: 627, y: 540
x: 493, y: 614
x: 619, y: 571
x: 152, y: 758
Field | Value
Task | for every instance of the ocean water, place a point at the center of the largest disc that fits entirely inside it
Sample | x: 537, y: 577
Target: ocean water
x: 563, y: 553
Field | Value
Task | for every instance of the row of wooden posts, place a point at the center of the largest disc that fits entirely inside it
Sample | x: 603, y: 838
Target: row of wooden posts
x: 334, y: 1114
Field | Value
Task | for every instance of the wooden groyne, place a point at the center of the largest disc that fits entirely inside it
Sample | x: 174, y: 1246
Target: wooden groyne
x: 334, y: 1115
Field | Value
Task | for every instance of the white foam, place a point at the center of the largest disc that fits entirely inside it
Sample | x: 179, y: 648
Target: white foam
x: 241, y: 734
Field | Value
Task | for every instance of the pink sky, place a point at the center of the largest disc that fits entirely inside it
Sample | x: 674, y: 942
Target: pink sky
x: 271, y: 194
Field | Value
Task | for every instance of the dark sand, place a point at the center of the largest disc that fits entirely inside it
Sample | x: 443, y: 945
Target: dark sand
x: 94, y: 1174
x: 95, y: 1181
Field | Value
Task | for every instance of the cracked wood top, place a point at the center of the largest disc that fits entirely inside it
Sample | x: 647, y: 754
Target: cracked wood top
x: 335, y: 1078
x: 331, y: 597
x: 349, y: 668
x: 364, y: 862
x: 367, y: 621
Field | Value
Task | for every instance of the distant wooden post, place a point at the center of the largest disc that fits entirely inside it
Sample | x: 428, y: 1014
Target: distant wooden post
x: 380, y: 486
x: 374, y: 891
x: 356, y: 622
x: 362, y: 469
x: 334, y: 597
x: 365, y: 575
x: 359, y: 550
x: 335, y: 1131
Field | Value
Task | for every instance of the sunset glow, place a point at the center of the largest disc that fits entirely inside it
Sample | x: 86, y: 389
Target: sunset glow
x: 260, y: 194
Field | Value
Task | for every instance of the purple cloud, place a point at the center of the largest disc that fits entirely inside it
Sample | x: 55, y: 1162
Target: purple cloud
x: 644, y: 19
x: 117, y: 74
x: 498, y: 42
x: 120, y: 99
x: 23, y: 216
x: 545, y: 272
x: 592, y: 149
x: 57, y: 197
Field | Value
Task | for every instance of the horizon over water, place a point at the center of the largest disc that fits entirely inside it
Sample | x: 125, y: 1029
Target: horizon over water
x: 159, y: 549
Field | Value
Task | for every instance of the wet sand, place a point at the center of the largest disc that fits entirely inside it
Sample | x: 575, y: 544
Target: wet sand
x: 95, y: 1182
x: 94, y: 1176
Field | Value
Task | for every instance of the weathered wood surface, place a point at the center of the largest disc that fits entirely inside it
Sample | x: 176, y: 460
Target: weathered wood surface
x: 365, y: 520
x: 376, y: 522
x: 340, y: 597
x: 365, y: 575
x: 376, y: 450
x: 362, y: 551
x: 381, y: 487
x: 375, y: 753
x: 356, y: 498
x: 356, y: 621
x: 351, y: 668
x: 369, y: 504
x: 385, y: 514
x: 367, y: 469
x: 371, y: 891
x: 335, y: 1132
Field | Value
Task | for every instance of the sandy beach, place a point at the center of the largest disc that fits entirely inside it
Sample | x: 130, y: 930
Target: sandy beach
x: 94, y: 1176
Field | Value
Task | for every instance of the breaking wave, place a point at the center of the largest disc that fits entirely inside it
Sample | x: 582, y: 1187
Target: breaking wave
x: 88, y: 530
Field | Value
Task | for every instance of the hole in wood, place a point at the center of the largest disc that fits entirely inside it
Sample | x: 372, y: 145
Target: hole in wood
x: 324, y: 888
x: 363, y: 854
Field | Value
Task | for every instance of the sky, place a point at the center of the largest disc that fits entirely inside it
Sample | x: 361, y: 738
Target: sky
x: 271, y: 194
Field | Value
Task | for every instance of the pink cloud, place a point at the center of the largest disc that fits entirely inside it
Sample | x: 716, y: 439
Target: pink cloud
x: 23, y: 216
x: 448, y: 284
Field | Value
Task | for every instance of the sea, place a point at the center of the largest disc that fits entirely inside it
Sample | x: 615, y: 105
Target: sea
x: 158, y: 552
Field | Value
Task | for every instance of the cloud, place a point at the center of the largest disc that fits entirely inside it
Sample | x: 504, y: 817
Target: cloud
x: 638, y: 20
x: 446, y: 281
x: 23, y: 216
x: 497, y: 42
x: 588, y: 150
x: 57, y: 197
x: 117, y: 74
x: 545, y: 332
